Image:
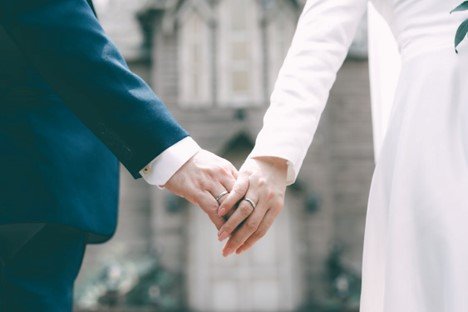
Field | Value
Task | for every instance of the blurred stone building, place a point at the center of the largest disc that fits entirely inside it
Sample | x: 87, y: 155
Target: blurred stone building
x: 214, y: 63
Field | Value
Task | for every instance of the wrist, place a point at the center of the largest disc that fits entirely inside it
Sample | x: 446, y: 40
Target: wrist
x: 277, y: 163
x: 180, y: 171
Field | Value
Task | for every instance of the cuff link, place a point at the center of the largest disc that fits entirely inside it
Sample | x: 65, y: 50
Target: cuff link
x: 147, y: 169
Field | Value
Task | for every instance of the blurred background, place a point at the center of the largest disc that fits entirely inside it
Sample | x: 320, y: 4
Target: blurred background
x: 214, y: 63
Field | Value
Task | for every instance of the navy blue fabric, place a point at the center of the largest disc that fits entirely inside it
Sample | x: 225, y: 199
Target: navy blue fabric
x: 68, y: 104
x: 66, y: 44
x: 41, y: 275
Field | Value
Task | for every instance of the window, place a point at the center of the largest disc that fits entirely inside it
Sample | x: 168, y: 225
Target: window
x: 195, y: 78
x: 240, y: 59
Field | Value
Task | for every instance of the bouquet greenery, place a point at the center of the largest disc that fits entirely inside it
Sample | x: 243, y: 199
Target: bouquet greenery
x: 462, y: 31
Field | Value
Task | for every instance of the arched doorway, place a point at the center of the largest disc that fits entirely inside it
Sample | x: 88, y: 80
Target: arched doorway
x: 267, y: 278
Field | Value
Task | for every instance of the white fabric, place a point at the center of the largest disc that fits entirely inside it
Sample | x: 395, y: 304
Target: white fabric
x: 325, y: 32
x: 163, y: 167
x: 384, y: 70
x: 415, y: 250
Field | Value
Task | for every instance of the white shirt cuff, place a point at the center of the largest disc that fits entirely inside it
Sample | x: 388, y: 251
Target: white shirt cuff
x: 163, y: 167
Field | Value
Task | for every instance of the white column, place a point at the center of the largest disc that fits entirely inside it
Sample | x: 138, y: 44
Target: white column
x: 384, y: 67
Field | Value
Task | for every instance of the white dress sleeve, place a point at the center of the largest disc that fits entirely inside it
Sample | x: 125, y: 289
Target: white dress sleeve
x: 324, y: 33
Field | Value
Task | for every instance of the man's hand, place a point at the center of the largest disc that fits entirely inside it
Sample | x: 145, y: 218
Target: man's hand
x: 201, y: 180
x: 259, y: 193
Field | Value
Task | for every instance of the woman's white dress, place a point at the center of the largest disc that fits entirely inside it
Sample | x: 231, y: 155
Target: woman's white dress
x: 416, y: 241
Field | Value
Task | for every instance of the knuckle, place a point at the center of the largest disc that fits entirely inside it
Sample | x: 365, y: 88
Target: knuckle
x: 203, y: 184
x: 209, y: 208
x: 279, y: 206
x: 261, y: 182
x: 229, y: 167
x: 210, y: 172
x: 277, y: 209
x: 213, y: 208
x: 205, y: 176
x: 225, y: 172
x: 196, y: 199
x: 270, y: 194
x: 247, y: 171
x: 217, y: 171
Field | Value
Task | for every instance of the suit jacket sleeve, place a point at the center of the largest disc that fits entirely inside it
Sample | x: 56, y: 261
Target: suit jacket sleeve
x: 64, y: 41
x: 323, y: 36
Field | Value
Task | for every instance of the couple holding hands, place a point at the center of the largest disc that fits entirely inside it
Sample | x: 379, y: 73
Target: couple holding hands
x: 70, y: 111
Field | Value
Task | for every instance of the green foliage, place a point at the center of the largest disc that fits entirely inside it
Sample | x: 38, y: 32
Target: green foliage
x: 343, y: 287
x: 461, y: 7
x: 462, y: 31
x: 130, y: 282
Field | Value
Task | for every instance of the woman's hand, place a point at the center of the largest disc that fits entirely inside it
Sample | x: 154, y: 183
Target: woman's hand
x: 259, y: 192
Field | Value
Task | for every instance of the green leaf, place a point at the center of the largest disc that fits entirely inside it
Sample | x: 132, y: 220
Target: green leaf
x: 461, y: 7
x: 461, y: 33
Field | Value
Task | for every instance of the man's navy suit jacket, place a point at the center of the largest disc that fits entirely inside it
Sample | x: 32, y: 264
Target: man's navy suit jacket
x: 69, y: 108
